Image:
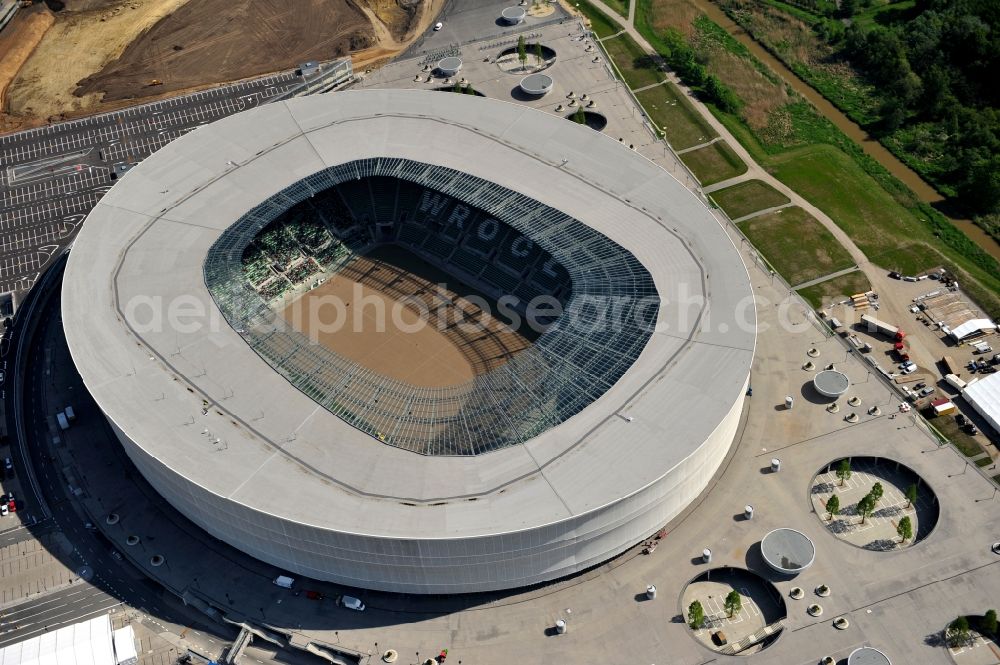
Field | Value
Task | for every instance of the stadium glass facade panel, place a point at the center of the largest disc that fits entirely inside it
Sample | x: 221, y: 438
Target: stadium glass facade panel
x: 571, y: 364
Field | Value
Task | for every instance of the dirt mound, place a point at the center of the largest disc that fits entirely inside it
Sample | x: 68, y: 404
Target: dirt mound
x: 222, y: 40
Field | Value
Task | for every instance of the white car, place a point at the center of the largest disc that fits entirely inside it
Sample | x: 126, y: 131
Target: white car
x: 438, y: 26
x: 352, y: 603
x: 909, y: 369
x: 4, y: 510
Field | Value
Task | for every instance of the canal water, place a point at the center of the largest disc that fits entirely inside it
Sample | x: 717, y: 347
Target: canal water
x: 870, y: 145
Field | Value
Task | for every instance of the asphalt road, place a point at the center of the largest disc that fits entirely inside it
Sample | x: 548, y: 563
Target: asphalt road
x: 52, y: 176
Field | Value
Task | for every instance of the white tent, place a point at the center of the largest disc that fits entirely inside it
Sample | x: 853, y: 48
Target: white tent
x: 85, y: 643
x: 963, y: 330
x: 125, y: 653
x: 984, y: 396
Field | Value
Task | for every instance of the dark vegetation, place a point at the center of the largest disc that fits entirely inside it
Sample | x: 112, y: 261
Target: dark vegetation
x: 920, y: 75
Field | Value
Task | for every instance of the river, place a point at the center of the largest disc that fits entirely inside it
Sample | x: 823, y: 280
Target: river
x: 901, y: 171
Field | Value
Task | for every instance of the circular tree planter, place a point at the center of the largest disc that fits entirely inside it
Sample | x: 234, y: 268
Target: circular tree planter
x: 113, y: 518
x: 592, y: 119
x: 157, y: 560
x: 508, y: 61
x: 841, y: 623
x: 390, y: 656
x: 796, y: 593
x: 463, y: 91
x: 815, y: 610
x: 132, y: 540
x: 823, y: 591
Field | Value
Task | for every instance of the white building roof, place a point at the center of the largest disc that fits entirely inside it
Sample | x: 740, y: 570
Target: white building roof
x: 148, y: 238
x: 963, y: 330
x: 125, y: 652
x: 85, y: 643
x: 984, y: 396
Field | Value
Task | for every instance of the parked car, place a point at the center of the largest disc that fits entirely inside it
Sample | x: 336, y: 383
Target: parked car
x: 438, y: 26
x: 895, y: 275
x: 907, y: 368
x: 961, y: 420
x: 8, y: 466
x: 920, y: 385
x: 906, y: 364
x: 927, y: 391
x: 351, y: 603
x: 971, y: 429
x: 4, y: 511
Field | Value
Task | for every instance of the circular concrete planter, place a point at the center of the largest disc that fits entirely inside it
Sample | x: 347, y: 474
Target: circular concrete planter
x: 841, y: 623
x: 823, y: 591
x: 796, y: 593
x: 113, y: 518
x: 157, y: 560
x: 815, y: 610
x: 390, y: 656
x: 132, y: 540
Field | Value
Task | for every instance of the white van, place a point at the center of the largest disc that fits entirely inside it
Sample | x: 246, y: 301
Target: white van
x: 284, y: 582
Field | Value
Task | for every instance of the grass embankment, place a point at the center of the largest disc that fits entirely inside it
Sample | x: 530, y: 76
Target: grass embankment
x: 637, y: 69
x: 969, y: 446
x: 778, y: 236
x: 599, y: 22
x: 620, y: 6
x: 673, y: 113
x: 747, y: 197
x: 786, y: 135
x: 836, y: 289
x: 714, y: 163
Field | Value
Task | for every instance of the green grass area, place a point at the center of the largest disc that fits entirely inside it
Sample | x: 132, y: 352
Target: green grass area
x: 748, y: 197
x: 599, y: 21
x: 714, y: 163
x: 969, y: 446
x: 672, y: 112
x: 620, y: 6
x: 636, y: 67
x: 836, y: 289
x: 796, y: 244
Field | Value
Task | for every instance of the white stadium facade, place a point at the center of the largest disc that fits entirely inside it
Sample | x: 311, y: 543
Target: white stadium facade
x: 579, y: 447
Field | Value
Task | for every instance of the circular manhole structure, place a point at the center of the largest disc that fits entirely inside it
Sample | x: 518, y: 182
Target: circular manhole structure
x: 157, y: 560
x: 905, y: 496
x: 513, y: 15
x: 592, y: 119
x: 868, y: 656
x: 760, y: 605
x: 787, y: 551
x: 132, y: 540
x: 449, y: 66
x: 536, y: 84
x: 112, y: 519
x: 831, y: 383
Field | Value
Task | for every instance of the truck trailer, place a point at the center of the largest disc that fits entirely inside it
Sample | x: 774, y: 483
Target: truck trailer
x: 891, y: 331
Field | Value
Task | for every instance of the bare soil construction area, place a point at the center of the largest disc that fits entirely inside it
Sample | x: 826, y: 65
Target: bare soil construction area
x: 93, y: 55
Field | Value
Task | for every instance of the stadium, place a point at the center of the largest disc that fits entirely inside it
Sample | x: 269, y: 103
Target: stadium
x: 413, y: 342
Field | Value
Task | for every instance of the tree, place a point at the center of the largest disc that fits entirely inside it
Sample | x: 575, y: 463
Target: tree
x: 877, y: 491
x: 734, y: 602
x: 905, y: 529
x: 957, y: 632
x: 458, y: 87
x: 580, y: 117
x: 833, y: 505
x: 990, y: 622
x: 539, y: 54
x: 696, y: 615
x: 522, y: 50
x: 844, y: 470
x: 866, y: 506
x: 911, y: 495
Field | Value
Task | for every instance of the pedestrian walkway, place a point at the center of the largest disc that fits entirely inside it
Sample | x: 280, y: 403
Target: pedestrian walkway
x: 695, y: 147
x: 766, y: 211
x: 824, y: 278
x: 754, y: 170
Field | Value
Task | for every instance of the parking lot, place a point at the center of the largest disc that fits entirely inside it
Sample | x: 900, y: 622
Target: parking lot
x: 52, y: 176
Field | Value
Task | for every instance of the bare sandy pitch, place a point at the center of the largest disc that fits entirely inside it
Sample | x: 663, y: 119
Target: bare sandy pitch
x: 17, y: 41
x: 368, y: 313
